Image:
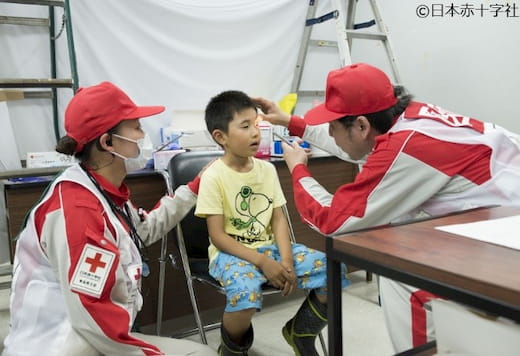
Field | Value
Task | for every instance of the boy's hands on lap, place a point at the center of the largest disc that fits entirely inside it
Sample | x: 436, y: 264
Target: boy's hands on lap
x: 275, y: 273
x: 280, y: 275
x: 290, y: 283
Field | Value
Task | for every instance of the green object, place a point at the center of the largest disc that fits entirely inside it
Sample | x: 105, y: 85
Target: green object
x: 51, y: 82
x: 300, y: 332
x: 67, y: 23
x: 229, y: 348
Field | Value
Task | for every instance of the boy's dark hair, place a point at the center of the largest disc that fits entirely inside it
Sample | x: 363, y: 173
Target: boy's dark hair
x: 222, y: 107
x: 382, y: 120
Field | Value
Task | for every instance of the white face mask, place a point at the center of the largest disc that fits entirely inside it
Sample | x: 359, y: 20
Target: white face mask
x: 145, y: 151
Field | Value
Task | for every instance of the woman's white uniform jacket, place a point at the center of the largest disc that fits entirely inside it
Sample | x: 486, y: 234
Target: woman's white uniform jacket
x: 77, y: 273
x: 431, y: 162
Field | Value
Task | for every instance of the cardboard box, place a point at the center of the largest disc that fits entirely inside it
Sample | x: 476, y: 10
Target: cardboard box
x: 162, y: 158
x: 463, y: 331
x: 11, y: 94
x: 48, y: 159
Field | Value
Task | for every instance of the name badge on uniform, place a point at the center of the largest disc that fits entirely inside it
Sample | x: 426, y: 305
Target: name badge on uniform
x: 92, y: 270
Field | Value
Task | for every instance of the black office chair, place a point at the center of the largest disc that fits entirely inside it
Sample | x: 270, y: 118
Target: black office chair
x: 193, y: 250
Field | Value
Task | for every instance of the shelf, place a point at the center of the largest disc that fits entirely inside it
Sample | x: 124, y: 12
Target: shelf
x: 37, y: 2
x: 31, y: 172
x: 28, y: 21
x: 35, y: 83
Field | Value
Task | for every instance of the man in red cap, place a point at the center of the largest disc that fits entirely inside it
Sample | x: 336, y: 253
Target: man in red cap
x: 419, y: 160
x: 81, y: 255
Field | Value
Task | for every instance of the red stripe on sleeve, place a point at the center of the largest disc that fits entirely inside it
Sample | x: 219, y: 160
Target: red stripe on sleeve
x: 297, y: 126
x: 350, y: 200
x: 472, y: 162
x: 50, y: 205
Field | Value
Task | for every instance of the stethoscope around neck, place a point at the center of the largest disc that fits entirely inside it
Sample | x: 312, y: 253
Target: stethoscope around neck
x: 125, y: 214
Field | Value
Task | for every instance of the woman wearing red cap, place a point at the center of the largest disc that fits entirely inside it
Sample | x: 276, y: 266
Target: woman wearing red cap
x: 79, y: 257
x: 419, y: 160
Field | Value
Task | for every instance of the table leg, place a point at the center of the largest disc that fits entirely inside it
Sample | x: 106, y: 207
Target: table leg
x: 334, y: 302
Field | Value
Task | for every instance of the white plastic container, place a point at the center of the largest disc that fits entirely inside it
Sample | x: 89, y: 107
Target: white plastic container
x: 264, y: 150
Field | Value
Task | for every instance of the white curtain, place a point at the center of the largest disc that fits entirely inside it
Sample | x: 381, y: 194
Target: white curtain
x: 177, y: 53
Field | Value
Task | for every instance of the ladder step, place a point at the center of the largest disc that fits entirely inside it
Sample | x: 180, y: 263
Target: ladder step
x: 17, y: 94
x: 353, y: 34
x: 37, y: 2
x: 38, y: 94
x: 323, y: 43
x: 314, y: 93
x: 29, y: 21
x: 367, y: 35
x: 36, y: 83
x: 6, y: 269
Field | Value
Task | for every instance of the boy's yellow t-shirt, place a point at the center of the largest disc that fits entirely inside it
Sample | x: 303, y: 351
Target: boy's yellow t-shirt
x: 246, y: 201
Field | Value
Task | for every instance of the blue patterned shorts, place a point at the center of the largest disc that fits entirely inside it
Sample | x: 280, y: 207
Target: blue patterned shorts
x: 243, y: 280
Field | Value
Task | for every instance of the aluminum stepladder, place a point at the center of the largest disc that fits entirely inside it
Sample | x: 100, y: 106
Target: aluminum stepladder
x: 53, y: 82
x: 343, y: 13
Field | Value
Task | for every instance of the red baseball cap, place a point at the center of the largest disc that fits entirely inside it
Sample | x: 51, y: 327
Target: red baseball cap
x: 356, y: 89
x: 95, y: 110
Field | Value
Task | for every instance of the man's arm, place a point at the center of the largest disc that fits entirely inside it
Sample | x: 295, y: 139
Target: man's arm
x: 393, y: 182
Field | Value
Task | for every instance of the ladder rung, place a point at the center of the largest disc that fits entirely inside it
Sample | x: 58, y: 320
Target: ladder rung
x: 29, y: 21
x: 6, y: 269
x: 311, y: 93
x: 323, y: 43
x: 37, y: 2
x: 37, y: 94
x: 367, y: 35
x: 36, y: 83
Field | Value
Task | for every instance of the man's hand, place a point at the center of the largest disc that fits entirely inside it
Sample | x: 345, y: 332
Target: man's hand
x: 294, y: 155
x: 272, y: 113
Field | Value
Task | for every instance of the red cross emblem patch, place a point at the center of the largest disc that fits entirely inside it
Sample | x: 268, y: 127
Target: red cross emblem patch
x: 92, y: 270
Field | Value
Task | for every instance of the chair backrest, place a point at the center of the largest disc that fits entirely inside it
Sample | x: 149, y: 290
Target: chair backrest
x: 182, y: 168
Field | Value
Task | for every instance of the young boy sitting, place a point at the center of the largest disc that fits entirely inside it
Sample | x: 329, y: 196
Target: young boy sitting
x: 241, y: 198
